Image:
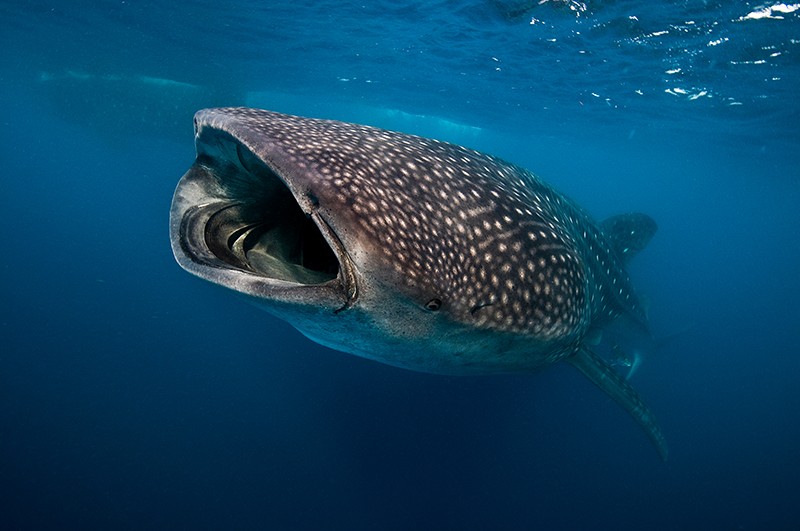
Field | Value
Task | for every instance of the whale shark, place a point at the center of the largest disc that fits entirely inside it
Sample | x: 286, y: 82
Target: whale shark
x: 406, y: 250
x: 162, y: 107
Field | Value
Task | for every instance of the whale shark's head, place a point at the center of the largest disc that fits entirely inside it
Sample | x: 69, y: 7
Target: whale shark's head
x: 377, y: 242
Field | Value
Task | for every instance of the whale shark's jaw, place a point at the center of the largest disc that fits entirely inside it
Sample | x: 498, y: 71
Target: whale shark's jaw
x: 236, y: 222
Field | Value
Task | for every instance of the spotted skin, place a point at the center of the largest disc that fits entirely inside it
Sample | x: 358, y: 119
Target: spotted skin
x: 450, y: 260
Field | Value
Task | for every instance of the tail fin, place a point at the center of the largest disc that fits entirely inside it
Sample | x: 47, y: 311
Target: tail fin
x: 604, y: 377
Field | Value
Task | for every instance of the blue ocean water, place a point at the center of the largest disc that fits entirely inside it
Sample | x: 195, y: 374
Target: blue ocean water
x: 133, y: 395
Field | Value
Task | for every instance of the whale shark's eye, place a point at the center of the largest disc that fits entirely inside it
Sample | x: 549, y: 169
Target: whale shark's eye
x: 433, y: 305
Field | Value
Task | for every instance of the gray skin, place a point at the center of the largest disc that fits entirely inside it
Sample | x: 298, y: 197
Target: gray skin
x: 409, y: 251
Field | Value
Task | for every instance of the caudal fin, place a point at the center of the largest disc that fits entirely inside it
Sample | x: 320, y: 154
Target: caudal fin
x: 607, y: 379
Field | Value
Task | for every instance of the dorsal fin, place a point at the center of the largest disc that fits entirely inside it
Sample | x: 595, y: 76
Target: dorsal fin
x: 628, y: 233
x: 615, y: 386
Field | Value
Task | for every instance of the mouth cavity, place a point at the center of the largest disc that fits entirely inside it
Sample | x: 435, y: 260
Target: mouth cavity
x: 252, y: 222
x: 273, y: 241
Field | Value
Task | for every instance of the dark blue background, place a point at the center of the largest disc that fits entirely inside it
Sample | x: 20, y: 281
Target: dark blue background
x: 135, y: 396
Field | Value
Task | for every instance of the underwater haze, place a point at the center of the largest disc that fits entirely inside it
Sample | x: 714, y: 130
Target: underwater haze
x: 136, y: 396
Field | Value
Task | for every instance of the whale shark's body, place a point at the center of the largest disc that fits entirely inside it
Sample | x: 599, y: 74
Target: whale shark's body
x: 406, y: 250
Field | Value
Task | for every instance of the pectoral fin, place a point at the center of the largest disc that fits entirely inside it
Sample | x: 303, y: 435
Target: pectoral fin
x: 604, y: 377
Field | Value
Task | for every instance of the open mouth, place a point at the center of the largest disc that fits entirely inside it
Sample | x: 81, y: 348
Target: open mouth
x: 237, y: 223
x: 270, y: 240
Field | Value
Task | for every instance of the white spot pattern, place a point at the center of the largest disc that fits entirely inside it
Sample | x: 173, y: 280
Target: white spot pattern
x: 499, y: 247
